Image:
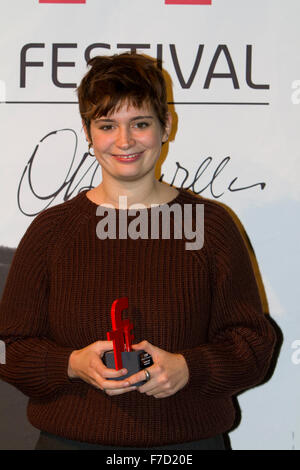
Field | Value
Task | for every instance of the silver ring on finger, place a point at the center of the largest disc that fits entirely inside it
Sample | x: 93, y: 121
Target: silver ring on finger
x: 147, y: 374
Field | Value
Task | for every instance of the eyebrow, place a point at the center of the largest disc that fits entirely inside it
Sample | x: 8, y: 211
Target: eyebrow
x: 133, y: 119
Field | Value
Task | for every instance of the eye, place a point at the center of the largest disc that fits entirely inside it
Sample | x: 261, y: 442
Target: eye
x: 106, y: 127
x: 142, y: 125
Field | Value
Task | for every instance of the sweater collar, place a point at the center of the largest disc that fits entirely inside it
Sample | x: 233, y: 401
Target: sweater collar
x: 89, y: 206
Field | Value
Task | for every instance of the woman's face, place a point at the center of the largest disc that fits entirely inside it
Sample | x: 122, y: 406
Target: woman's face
x: 127, y: 143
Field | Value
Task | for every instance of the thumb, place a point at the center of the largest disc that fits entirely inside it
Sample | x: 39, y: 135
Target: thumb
x: 146, y: 346
x: 102, y: 346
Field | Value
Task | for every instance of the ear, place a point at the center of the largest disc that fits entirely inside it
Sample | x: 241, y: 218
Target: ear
x: 168, y: 128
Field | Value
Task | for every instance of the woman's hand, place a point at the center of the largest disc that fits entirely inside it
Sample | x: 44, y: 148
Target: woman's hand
x: 87, y: 365
x: 168, y: 374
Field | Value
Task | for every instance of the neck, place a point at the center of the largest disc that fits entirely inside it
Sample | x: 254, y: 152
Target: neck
x: 147, y: 192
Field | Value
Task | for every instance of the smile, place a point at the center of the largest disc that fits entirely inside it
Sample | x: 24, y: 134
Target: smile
x: 128, y: 158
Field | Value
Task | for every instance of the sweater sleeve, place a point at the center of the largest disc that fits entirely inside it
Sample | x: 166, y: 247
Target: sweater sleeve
x: 241, y: 340
x: 34, y: 364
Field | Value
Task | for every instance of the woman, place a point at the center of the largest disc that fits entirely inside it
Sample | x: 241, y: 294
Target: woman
x: 197, y: 312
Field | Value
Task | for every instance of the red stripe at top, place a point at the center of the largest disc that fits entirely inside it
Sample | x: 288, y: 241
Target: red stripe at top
x: 188, y: 2
x: 62, y: 1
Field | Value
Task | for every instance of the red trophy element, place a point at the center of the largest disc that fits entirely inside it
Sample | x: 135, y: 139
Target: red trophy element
x: 121, y: 331
x: 123, y: 355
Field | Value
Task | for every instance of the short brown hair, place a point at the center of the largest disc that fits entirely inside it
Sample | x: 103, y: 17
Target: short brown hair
x: 133, y: 78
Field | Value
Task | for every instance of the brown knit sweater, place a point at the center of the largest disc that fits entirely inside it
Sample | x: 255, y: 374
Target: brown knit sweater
x: 203, y: 304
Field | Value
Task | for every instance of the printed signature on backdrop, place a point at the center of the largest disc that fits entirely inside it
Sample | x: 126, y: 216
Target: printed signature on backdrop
x: 83, y: 175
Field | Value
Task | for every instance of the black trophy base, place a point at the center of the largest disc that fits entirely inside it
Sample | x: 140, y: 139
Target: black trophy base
x: 133, y: 361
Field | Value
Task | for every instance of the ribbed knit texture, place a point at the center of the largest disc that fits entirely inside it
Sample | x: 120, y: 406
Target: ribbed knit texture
x: 203, y: 304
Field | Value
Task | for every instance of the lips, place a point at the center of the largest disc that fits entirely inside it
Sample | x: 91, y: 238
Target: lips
x: 128, y: 158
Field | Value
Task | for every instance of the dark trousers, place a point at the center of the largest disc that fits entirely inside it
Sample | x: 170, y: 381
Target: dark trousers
x: 51, y: 442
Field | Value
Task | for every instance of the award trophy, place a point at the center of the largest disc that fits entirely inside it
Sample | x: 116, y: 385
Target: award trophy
x: 121, y: 336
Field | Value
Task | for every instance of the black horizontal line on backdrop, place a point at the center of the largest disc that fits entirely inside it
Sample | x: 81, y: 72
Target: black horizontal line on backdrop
x: 229, y: 103
x: 219, y: 103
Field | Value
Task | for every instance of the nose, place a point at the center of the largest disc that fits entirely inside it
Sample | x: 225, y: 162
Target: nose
x: 125, y: 139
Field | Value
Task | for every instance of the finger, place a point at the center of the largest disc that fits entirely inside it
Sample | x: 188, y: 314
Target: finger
x: 108, y: 385
x: 155, y: 391
x: 104, y: 346
x: 98, y: 376
x: 139, y: 377
x: 101, y: 346
x: 150, y: 388
x: 161, y: 395
x: 119, y: 391
x: 96, y: 366
x: 111, y: 373
x: 96, y: 384
x: 115, y: 384
x: 95, y: 380
x: 145, y: 345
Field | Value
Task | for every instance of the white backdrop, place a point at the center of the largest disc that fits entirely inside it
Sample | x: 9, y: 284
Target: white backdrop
x: 235, y: 67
